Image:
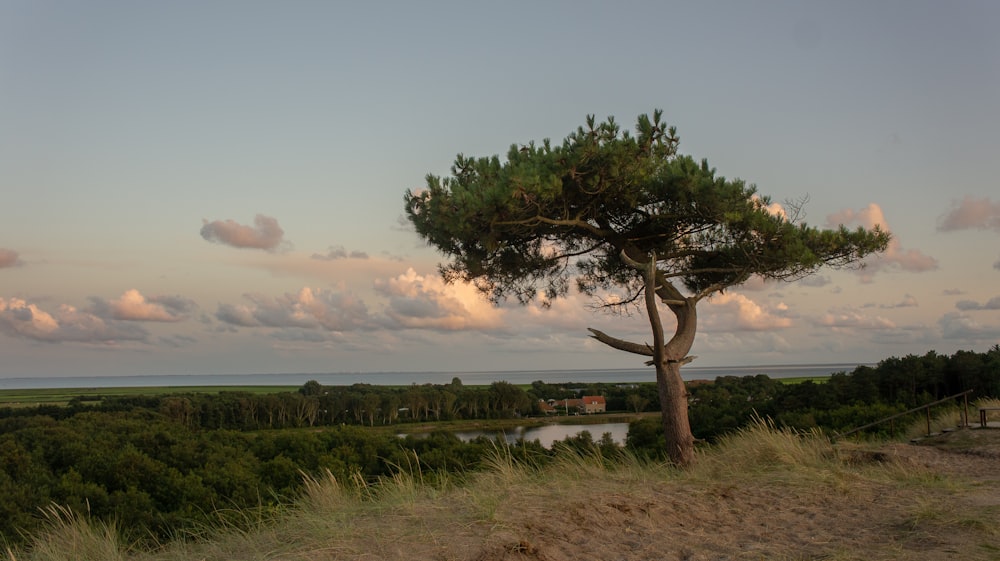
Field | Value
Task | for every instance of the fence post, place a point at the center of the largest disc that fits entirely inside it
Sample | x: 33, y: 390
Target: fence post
x: 928, y: 409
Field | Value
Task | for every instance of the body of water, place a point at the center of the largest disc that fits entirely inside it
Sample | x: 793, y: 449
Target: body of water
x: 547, y: 434
x: 628, y: 375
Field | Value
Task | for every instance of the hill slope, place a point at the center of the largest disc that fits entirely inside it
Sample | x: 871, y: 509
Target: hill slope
x: 761, y: 494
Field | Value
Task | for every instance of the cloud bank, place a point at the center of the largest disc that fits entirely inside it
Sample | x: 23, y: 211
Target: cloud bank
x: 418, y: 301
x: 308, y: 309
x: 19, y: 318
x: 265, y: 234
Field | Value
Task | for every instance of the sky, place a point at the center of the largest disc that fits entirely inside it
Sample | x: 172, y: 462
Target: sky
x: 217, y: 187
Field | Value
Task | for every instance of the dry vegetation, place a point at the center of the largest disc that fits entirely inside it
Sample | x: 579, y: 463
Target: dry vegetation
x: 759, y: 494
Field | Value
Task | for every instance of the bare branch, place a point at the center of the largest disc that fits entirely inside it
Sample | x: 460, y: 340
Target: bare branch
x: 621, y: 344
x: 652, y: 311
x: 632, y: 262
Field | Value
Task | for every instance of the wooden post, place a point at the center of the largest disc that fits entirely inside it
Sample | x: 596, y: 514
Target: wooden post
x: 928, y: 409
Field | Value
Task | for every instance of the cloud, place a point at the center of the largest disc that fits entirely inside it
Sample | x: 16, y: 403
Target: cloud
x: 338, y: 252
x: 774, y: 209
x: 265, y: 233
x: 8, y: 258
x: 895, y: 257
x: 850, y: 319
x: 960, y: 326
x: 177, y: 341
x: 759, y: 344
x: 992, y: 304
x: 133, y: 306
x: 308, y: 309
x: 736, y: 312
x: 953, y: 292
x: 19, y: 318
x: 971, y: 213
x: 996, y: 265
x: 908, y: 301
x: 815, y: 281
x: 417, y: 301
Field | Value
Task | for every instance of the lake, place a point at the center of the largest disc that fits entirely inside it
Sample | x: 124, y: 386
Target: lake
x: 547, y: 434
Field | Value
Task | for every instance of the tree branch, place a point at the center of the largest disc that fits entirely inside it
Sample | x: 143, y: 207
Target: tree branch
x: 621, y: 344
x: 652, y: 311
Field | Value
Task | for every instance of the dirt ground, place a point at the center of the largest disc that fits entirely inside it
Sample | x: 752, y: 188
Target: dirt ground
x: 945, y: 505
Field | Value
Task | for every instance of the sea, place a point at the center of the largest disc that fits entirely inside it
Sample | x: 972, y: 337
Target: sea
x: 623, y: 376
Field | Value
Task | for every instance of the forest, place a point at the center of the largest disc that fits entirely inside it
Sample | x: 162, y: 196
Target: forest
x: 172, y: 464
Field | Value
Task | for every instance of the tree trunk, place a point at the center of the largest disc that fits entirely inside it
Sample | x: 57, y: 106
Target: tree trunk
x: 674, y: 413
x: 668, y: 357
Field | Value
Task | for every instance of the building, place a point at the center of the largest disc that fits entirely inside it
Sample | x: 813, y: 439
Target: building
x: 587, y: 405
x: 593, y: 404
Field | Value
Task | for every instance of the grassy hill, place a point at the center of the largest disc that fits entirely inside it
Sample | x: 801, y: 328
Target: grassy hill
x: 759, y: 494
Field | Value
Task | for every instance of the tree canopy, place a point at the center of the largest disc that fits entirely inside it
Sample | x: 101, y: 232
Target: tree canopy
x: 619, y: 212
x: 552, y: 214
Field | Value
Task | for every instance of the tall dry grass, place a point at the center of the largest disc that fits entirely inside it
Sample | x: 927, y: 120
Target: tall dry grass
x: 70, y: 536
x: 947, y: 418
x: 416, y: 514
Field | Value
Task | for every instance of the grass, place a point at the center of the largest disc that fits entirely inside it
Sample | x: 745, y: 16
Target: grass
x: 73, y: 536
x: 949, y: 418
x: 760, y: 493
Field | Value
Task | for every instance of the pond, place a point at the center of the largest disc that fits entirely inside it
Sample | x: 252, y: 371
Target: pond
x: 547, y: 434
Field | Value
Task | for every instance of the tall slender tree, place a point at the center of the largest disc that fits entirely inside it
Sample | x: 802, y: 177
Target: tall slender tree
x: 612, y: 211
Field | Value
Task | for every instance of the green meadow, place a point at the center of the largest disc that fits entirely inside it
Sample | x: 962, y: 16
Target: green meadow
x: 62, y: 396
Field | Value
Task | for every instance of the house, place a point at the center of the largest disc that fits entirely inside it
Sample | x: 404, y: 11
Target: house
x: 593, y: 404
x: 546, y: 407
x: 587, y: 405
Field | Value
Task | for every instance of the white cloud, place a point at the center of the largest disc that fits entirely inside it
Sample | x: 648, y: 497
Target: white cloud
x: 774, y: 209
x: 308, y: 309
x: 19, y: 318
x: 895, y: 256
x: 847, y: 319
x: 133, y: 306
x: 264, y: 234
x: 736, y: 312
x: 418, y: 301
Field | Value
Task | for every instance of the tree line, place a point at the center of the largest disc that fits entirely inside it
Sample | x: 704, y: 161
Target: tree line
x: 315, y: 405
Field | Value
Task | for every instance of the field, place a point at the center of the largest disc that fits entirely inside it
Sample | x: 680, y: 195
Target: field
x: 62, y: 396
